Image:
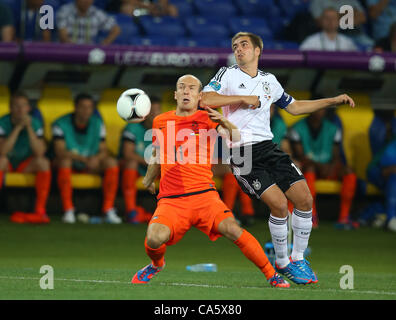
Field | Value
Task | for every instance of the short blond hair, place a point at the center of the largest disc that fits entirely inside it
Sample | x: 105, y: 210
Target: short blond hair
x: 254, y: 38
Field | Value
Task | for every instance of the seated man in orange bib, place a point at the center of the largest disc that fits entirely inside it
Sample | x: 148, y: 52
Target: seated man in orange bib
x: 187, y: 195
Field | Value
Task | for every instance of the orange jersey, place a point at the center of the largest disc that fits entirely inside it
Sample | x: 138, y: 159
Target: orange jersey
x: 185, y: 146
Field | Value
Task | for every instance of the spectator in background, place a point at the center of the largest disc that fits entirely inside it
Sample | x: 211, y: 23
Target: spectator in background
x: 383, y: 15
x: 382, y: 133
x: 132, y: 149
x: 27, y: 21
x: 357, y: 33
x: 7, y: 29
x: 80, y: 22
x: 160, y: 8
x: 382, y: 172
x: 316, y: 144
x: 79, y: 145
x: 387, y: 44
x: 132, y: 8
x: 22, y: 149
x: 329, y: 39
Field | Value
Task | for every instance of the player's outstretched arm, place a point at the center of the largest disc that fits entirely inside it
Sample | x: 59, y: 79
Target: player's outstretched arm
x: 225, y: 128
x: 153, y: 170
x: 214, y: 100
x: 308, y: 106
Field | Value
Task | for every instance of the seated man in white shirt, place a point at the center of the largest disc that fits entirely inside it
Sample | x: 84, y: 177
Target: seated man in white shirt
x: 329, y: 39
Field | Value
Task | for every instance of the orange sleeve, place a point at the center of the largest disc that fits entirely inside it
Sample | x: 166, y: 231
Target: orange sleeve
x: 156, y: 132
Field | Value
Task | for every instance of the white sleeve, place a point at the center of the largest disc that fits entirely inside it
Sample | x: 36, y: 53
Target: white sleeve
x: 281, y: 98
x: 310, y: 43
x: 219, y: 82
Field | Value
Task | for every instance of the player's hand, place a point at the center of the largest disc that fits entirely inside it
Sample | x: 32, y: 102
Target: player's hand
x: 344, y: 99
x: 214, y: 115
x: 251, y: 102
x: 151, y: 188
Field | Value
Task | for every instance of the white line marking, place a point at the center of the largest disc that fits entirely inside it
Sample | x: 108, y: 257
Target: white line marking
x: 392, y: 293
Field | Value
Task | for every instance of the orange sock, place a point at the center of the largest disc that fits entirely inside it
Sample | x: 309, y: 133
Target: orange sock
x: 246, y: 203
x: 156, y: 255
x: 43, y: 184
x: 252, y: 250
x: 347, y: 193
x: 310, y: 177
x: 230, y: 190
x: 65, y: 188
x: 110, y: 186
x: 290, y: 206
x: 1, y: 179
x: 129, y: 177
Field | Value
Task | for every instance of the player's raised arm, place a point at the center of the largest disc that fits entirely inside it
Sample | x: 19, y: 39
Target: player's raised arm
x: 153, y: 170
x: 225, y: 128
x: 308, y: 106
x: 214, y: 99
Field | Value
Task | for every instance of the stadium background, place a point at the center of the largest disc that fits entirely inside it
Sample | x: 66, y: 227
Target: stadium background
x: 53, y: 74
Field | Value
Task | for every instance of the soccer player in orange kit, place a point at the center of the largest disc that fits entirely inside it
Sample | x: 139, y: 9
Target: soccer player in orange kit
x: 187, y: 195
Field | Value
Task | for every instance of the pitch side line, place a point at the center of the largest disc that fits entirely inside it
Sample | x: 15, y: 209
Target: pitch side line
x: 211, y: 286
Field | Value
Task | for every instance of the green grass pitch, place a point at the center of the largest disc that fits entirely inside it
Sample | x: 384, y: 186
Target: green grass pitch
x: 98, y: 262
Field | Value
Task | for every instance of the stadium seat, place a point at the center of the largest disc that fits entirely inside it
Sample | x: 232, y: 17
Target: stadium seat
x: 54, y: 103
x: 184, y: 7
x: 221, y: 9
x: 254, y: 8
x: 162, y: 26
x: 355, y: 127
x: 206, y: 27
x: 4, y: 100
x: 293, y: 7
x: 129, y: 29
x: 256, y: 25
x: 114, y: 125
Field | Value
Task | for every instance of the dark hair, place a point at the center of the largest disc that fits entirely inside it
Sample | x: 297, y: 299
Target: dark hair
x: 83, y: 96
x: 254, y: 38
x: 18, y: 94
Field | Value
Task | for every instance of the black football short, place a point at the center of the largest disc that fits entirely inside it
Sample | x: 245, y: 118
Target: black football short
x: 261, y: 165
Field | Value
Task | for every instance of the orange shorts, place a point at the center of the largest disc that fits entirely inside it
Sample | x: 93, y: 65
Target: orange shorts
x: 204, y: 211
x: 21, y: 166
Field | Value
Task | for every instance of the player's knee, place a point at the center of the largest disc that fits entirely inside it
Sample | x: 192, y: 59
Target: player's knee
x: 65, y: 162
x: 305, y: 202
x: 42, y: 163
x: 110, y: 162
x: 230, y: 229
x: 157, y: 235
x: 279, y: 207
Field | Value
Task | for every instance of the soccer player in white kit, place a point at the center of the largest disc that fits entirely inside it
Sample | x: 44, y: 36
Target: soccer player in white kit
x: 245, y: 94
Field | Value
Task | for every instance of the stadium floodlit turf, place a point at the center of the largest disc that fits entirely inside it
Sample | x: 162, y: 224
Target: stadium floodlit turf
x: 98, y: 262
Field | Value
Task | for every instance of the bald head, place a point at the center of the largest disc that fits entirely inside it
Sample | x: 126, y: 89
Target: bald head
x: 189, y: 78
x: 187, y: 94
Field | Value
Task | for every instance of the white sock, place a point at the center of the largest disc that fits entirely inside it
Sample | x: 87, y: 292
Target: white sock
x: 278, y: 229
x: 302, y: 226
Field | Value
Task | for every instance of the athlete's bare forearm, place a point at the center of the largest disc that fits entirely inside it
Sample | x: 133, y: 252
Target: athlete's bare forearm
x: 214, y: 100
x: 309, y: 106
x: 153, y: 170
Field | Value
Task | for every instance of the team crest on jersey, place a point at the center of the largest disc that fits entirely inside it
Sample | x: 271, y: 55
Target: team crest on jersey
x: 256, y: 185
x: 215, y: 85
x: 266, y: 87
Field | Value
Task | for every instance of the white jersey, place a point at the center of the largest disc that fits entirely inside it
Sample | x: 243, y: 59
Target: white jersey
x: 253, y: 124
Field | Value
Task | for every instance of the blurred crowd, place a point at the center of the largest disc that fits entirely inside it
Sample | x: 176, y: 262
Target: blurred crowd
x: 304, y: 24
